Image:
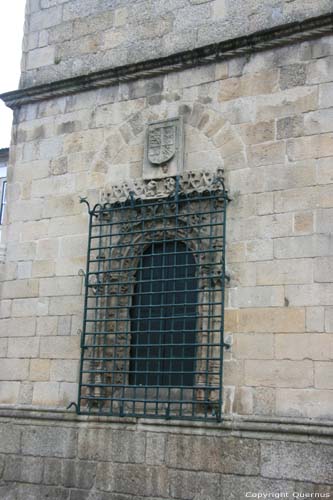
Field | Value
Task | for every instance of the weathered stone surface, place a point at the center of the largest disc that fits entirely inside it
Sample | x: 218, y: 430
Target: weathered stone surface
x: 10, y: 436
x: 291, y: 126
x: 311, y: 403
x: 9, y: 392
x: 118, y: 446
x: 48, y: 441
x: 40, y: 492
x: 315, y: 146
x: 23, y: 347
x: 315, y: 319
x: 309, y: 295
x: 233, y: 372
x: 5, y: 308
x: 312, y: 346
x: 47, y: 325
x: 253, y: 346
x: 95, y: 495
x: 286, y: 271
x: 235, y: 487
x: 323, y: 374
x: 62, y: 370
x: 23, y: 469
x: 78, y: 24
x: 78, y: 474
x: 25, y: 393
x: 329, y: 319
x: 318, y: 122
x: 20, y: 288
x: 212, y: 454
x: 303, y: 223
x: 261, y: 320
x: 43, y: 268
x: 264, y: 401
x: 247, y: 85
x: 8, y: 492
x: 14, y: 369
x: 279, y: 373
x: 155, y: 448
x: 267, y: 153
x: 3, y: 347
x: 46, y: 393
x: 286, y: 461
x: 267, y: 296
x: 260, y: 132
x: 292, y: 76
x: 133, y: 479
x: 52, y: 471
x: 40, y: 57
x: 24, y: 308
x: 39, y: 370
x: 188, y: 485
x: 317, y: 245
x: 59, y: 347
x: 60, y: 286
x: 287, y: 103
x: 243, y: 401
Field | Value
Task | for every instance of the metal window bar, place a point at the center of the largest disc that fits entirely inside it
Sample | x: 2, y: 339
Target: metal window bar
x: 3, y: 200
x: 152, y: 340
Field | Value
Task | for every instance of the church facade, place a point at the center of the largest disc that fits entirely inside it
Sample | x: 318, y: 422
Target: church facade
x: 166, y: 324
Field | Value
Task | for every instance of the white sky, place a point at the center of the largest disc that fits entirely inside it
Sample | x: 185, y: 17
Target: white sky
x: 11, y: 35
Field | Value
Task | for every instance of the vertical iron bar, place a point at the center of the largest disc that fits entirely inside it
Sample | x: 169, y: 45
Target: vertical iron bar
x: 85, y: 312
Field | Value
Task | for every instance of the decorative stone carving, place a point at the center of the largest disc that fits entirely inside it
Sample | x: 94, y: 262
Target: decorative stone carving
x: 164, y: 149
x: 189, y: 182
x: 161, y: 142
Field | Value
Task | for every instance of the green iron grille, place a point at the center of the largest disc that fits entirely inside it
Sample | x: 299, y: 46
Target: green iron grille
x: 152, y: 339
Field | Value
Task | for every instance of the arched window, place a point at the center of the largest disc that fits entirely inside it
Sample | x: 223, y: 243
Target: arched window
x: 152, y: 340
x: 164, y: 317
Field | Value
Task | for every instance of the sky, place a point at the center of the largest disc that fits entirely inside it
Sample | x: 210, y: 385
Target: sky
x: 11, y: 35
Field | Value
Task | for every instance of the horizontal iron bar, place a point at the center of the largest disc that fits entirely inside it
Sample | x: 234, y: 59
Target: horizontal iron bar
x: 150, y: 400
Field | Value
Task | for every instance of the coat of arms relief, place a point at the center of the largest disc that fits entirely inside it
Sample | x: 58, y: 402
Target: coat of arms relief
x: 163, y: 149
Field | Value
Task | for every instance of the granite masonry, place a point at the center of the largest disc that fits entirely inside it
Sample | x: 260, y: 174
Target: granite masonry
x: 4, y: 155
x: 253, y: 84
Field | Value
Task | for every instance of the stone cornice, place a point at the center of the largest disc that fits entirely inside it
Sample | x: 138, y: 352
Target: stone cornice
x: 251, y: 426
x: 259, y: 41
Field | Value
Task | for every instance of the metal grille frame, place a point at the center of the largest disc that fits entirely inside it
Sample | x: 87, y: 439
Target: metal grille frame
x: 116, y: 377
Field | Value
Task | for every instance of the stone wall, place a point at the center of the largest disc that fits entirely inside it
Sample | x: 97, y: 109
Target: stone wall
x: 62, y: 457
x: 72, y: 37
x: 4, y: 154
x: 265, y: 119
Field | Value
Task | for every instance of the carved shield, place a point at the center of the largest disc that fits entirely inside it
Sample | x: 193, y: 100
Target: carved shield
x: 161, y: 142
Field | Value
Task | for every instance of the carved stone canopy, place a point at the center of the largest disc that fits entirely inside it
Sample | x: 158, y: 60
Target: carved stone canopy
x: 190, y: 182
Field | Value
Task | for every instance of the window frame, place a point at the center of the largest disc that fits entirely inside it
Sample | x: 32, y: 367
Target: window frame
x: 100, y: 389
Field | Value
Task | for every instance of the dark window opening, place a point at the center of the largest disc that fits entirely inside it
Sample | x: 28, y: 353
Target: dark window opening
x: 163, y: 317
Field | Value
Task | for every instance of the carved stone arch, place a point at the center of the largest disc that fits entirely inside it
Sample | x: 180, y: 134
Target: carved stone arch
x: 132, y: 216
x: 211, y: 140
x: 131, y: 248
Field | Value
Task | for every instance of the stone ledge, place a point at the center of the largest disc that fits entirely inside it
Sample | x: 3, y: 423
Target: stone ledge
x: 259, y: 41
x: 258, y: 427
